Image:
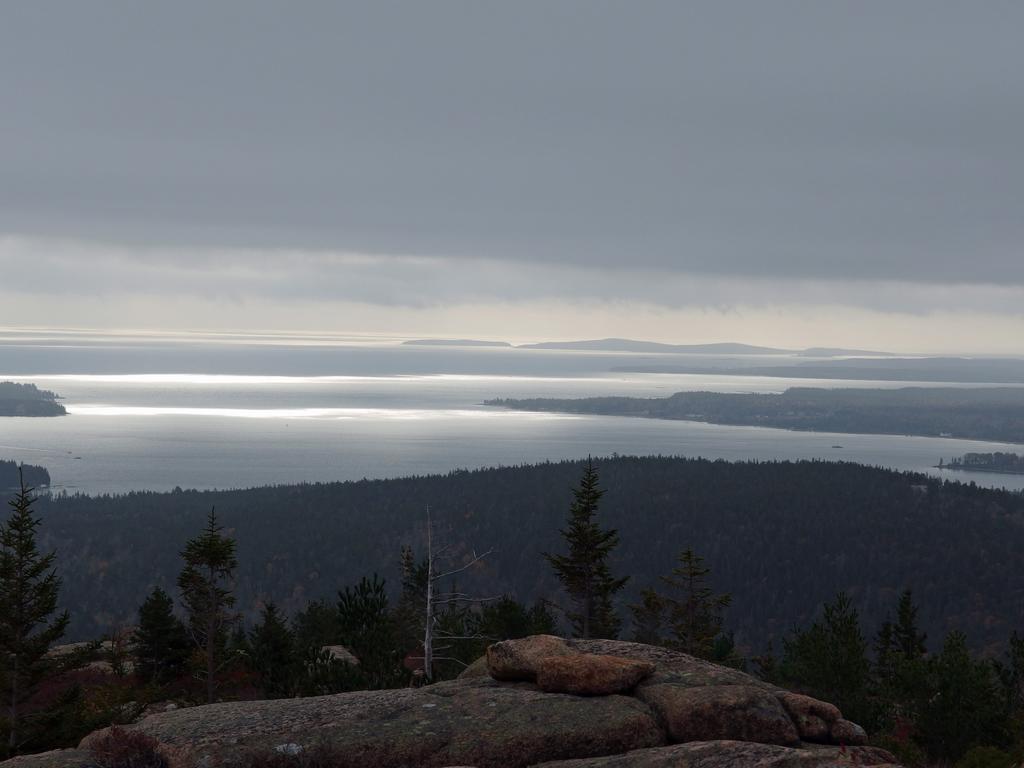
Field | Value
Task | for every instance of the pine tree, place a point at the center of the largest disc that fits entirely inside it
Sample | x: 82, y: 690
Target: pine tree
x: 909, y: 642
x: 584, y: 571
x: 367, y: 630
x: 29, y: 587
x: 272, y: 649
x: 205, y: 585
x: 694, y: 611
x: 161, y: 640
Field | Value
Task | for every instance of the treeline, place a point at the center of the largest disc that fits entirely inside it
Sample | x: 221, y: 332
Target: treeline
x: 995, y: 413
x: 35, y: 477
x: 784, y: 537
x: 988, y: 462
x: 18, y: 399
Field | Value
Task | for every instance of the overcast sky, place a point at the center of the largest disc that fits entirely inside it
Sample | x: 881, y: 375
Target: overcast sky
x: 782, y: 172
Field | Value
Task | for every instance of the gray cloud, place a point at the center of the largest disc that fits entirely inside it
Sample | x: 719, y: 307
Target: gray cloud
x: 276, y: 277
x: 809, y: 140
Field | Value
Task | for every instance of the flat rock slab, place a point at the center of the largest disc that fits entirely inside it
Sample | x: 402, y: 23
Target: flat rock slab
x: 735, y: 754
x: 469, y: 722
x: 59, y: 758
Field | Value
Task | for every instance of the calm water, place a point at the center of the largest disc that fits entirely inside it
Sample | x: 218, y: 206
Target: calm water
x: 146, y: 415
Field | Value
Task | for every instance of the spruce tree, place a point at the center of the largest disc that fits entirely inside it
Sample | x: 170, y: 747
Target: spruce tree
x: 584, y: 571
x: 649, y: 618
x: 272, y: 649
x: 161, y: 640
x: 29, y: 587
x: 205, y: 584
x: 694, y: 610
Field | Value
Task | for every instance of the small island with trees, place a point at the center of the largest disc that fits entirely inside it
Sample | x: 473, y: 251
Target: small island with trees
x: 28, y: 400
x: 1007, y: 463
x: 35, y: 477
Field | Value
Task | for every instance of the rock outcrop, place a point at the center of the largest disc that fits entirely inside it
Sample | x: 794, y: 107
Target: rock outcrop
x: 617, y: 704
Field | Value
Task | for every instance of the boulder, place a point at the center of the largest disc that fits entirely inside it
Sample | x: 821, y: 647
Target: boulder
x: 587, y: 674
x: 845, y: 732
x: 716, y: 712
x: 735, y: 754
x: 813, y: 718
x: 520, y: 659
x: 681, y: 683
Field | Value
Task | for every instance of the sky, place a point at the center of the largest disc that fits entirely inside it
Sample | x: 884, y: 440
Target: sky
x: 785, y: 173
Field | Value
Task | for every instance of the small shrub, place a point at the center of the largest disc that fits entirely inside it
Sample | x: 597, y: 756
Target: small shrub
x: 119, y: 748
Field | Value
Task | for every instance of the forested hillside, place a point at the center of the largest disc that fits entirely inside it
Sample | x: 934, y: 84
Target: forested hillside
x: 28, y: 400
x: 995, y: 413
x: 781, y: 537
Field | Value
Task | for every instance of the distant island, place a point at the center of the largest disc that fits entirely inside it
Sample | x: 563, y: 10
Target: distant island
x: 28, y: 400
x: 995, y: 413
x: 35, y: 477
x: 629, y: 345
x: 1007, y: 463
x: 454, y: 343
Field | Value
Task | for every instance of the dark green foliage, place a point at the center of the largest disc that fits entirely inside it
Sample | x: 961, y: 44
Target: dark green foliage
x: 900, y: 669
x: 963, y: 708
x: 584, y: 571
x: 687, y: 615
x: 316, y: 626
x: 829, y: 660
x: 367, y: 630
x: 507, y: 619
x: 649, y: 618
x: 206, y: 590
x: 29, y: 587
x: 410, y: 613
x: 161, y: 642
x: 986, y: 757
x: 272, y: 654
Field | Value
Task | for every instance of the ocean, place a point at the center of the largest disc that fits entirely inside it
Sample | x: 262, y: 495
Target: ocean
x: 198, y: 411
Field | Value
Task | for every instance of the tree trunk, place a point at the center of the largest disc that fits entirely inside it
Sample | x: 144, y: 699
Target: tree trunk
x: 428, y: 635
x: 12, y: 740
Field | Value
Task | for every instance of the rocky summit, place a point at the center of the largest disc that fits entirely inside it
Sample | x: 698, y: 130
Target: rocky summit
x: 539, y: 701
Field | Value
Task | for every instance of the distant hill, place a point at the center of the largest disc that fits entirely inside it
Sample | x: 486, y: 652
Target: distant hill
x: 35, y: 477
x: 963, y: 370
x: 454, y: 343
x: 781, y: 537
x: 629, y: 345
x: 28, y: 400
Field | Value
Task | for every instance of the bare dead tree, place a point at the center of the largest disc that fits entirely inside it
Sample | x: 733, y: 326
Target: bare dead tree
x: 436, y: 555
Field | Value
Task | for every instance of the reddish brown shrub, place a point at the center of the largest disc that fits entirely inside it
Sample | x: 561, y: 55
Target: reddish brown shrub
x: 119, y: 748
